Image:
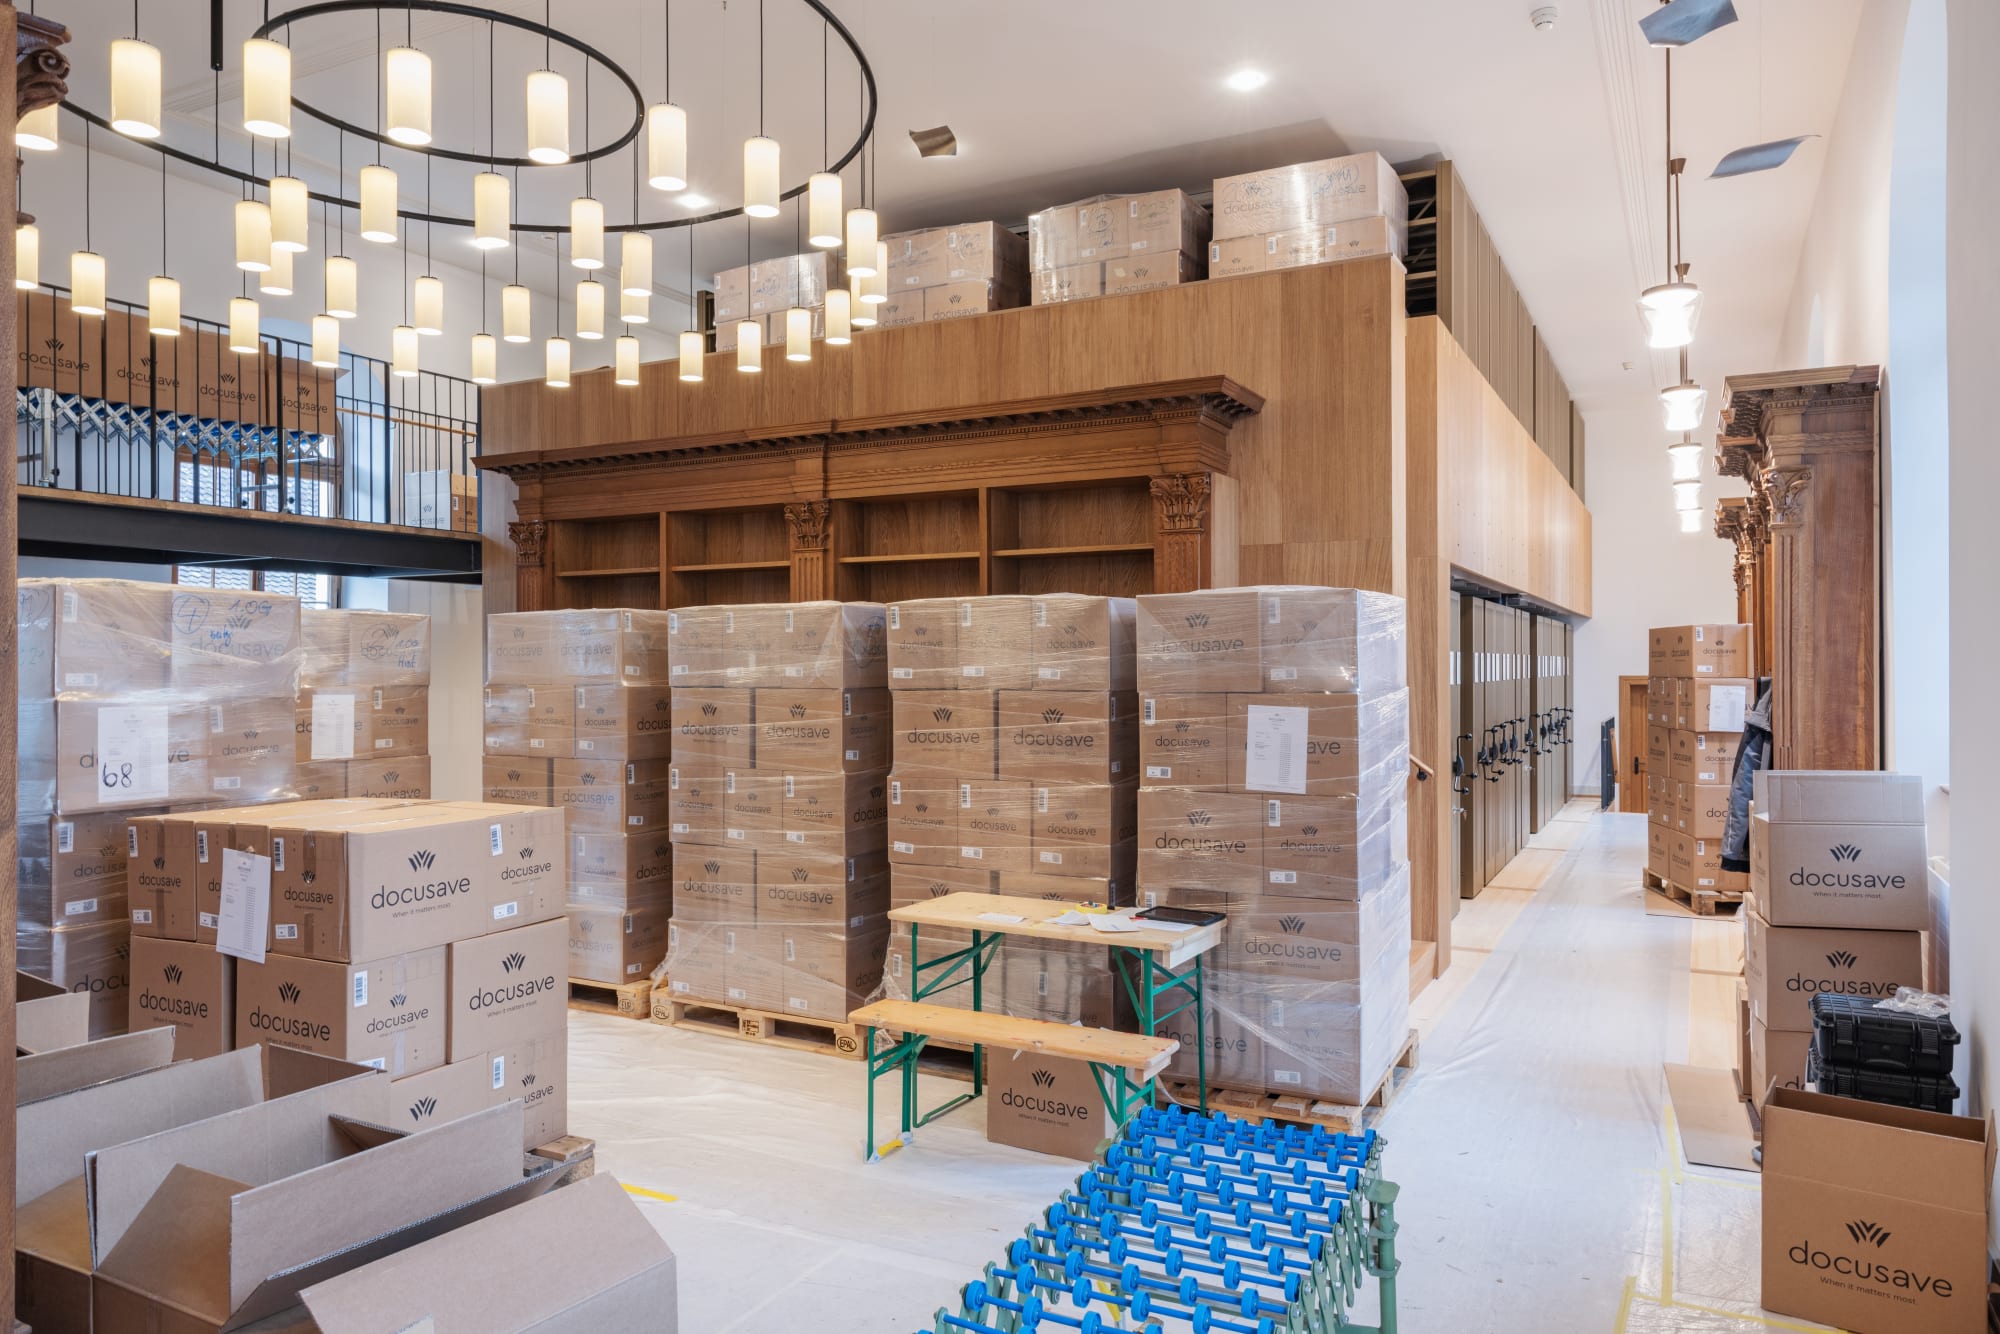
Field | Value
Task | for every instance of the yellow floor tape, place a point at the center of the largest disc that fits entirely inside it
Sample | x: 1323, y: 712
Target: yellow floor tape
x: 645, y: 1194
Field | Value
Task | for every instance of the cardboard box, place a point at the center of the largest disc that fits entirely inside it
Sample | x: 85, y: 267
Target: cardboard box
x: 598, y: 1265
x: 1283, y: 198
x: 88, y: 865
x: 399, y: 778
x: 535, y: 1073
x: 113, y: 755
x: 715, y: 727
x: 95, y: 961
x: 1696, y: 863
x: 716, y: 885
x: 1199, y: 840
x: 995, y: 643
x: 505, y: 714
x: 829, y: 645
x: 1711, y: 650
x: 1660, y: 752
x: 923, y: 644
x: 518, y: 781
x: 619, y: 722
x: 1184, y: 741
x: 365, y: 648
x: 243, y: 644
x: 1356, y: 238
x: 1070, y: 282
x: 612, y: 796
x: 840, y: 892
x: 388, y: 1013
x: 1330, y: 848
x: 1659, y: 850
x: 1083, y: 642
x: 1875, y: 1217
x: 698, y: 960
x: 1777, y: 1060
x: 48, y: 1022
x: 1119, y: 891
x: 970, y: 296
x: 695, y: 798
x: 945, y: 731
x: 753, y: 807
x: 1084, y: 829
x: 551, y: 727
x: 1786, y: 966
x: 189, y: 987
x: 1317, y: 745
x: 995, y: 824
x: 1232, y: 1025
x: 1701, y: 810
x: 1868, y: 876
x: 444, y: 1094
x: 1660, y: 710
x: 779, y: 283
x: 1067, y: 736
x: 1659, y: 651
x: 172, y: 858
x: 97, y: 637
x: 1144, y: 272
x: 621, y: 870
x: 508, y: 987
x: 1200, y: 642
x: 1743, y: 1039
x: 1703, y: 757
x: 836, y: 813
x: 923, y: 818
x: 1045, y: 1104
x: 826, y: 974
x: 1717, y: 704
x: 902, y: 307
x: 822, y: 731
x: 1806, y: 796
x: 732, y: 295
x: 917, y: 884
x: 616, y: 946
x: 1236, y: 255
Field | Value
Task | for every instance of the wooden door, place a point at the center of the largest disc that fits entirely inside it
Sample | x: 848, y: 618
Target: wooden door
x: 1631, y: 746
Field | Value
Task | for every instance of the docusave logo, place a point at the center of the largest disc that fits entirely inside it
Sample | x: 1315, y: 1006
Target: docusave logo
x: 516, y: 990
x: 421, y: 890
x: 1863, y: 1263
x: 1847, y: 857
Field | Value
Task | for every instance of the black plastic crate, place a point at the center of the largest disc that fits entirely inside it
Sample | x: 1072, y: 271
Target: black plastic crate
x: 1849, y: 1033
x: 1925, y: 1093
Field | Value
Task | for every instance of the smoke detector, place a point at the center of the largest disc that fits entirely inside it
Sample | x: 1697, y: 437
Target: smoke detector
x: 1543, y: 17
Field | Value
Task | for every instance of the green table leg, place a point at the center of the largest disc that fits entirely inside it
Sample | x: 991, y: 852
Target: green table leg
x: 1154, y: 980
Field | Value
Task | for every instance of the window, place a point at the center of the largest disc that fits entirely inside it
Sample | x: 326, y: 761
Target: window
x: 312, y: 590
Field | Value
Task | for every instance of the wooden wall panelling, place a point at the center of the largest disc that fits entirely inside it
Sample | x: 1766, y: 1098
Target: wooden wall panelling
x: 1432, y: 825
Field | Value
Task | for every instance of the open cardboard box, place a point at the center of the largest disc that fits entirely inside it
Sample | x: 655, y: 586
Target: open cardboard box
x: 581, y: 1258
x: 51, y: 1022
x: 45, y: 1074
x: 219, y: 1224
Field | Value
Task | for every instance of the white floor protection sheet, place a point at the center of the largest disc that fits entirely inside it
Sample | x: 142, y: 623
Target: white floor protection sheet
x: 1542, y: 1187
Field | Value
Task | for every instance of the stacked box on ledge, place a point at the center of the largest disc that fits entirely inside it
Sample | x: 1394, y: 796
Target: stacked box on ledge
x: 363, y: 725
x: 777, y: 806
x: 765, y: 290
x: 1701, y: 680
x: 134, y: 697
x: 578, y: 718
x: 1274, y: 752
x: 1308, y: 213
x: 1115, y: 243
x: 943, y: 273
x: 1016, y: 773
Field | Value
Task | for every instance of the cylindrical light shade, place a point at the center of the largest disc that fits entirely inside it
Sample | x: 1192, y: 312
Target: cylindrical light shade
x: 163, y: 307
x: 1684, y: 405
x: 403, y: 344
x: 253, y: 235
x: 798, y: 334
x: 626, y: 361
x: 590, y: 309
x: 343, y: 277
x: 1690, y: 521
x: 289, y: 220
x: 1670, y: 312
x: 37, y: 131
x: 267, y: 88
x: 694, y: 351
x: 1686, y: 459
x: 666, y: 147
x: 86, y: 282
x: 636, y: 270
x: 860, y: 314
x: 760, y: 177
x: 243, y: 326
x: 861, y: 237
x: 1687, y: 495
x: 823, y: 210
x: 407, y: 89
x: 548, y: 120
x: 326, y: 342
x: 556, y: 362
x: 635, y: 309
x: 586, y: 232
x: 749, y: 346
x: 839, y: 306
x: 516, y: 313
x: 485, y: 359
x: 27, y: 256
x: 875, y: 286
x: 277, y: 280
x: 491, y: 206
x: 427, y: 303
x: 135, y: 88
x: 378, y: 203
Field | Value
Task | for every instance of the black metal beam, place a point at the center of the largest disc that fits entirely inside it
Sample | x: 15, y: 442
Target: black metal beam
x: 84, y: 529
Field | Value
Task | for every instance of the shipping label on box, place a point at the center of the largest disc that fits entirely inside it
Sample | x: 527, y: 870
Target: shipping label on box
x: 1786, y: 966
x: 1872, y: 876
x: 1717, y: 705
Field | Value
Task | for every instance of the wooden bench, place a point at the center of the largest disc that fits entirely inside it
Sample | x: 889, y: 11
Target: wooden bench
x: 1124, y: 1064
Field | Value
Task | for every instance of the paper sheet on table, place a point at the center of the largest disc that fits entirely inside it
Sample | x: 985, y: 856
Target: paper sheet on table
x: 1115, y: 926
x: 1070, y: 918
x: 1000, y: 917
x: 246, y: 905
x: 1274, y: 749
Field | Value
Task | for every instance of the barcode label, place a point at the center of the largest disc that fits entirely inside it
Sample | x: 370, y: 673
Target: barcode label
x: 632, y: 968
x: 1049, y: 673
x: 377, y: 1063
x: 1159, y: 771
x: 673, y: 628
x: 1041, y: 801
x: 794, y: 836
x: 635, y: 821
x: 965, y: 613
x: 1705, y: 881
x: 201, y: 845
x: 680, y: 826
x: 853, y: 754
x: 965, y: 796
x: 1271, y: 613
x: 895, y: 796
x: 631, y: 669
x: 384, y: 743
x: 1041, y: 613
x: 142, y: 916
x: 1284, y: 673
x: 678, y: 669
x: 66, y: 837
x: 69, y: 604
x: 80, y: 907
x: 628, y: 620
x: 499, y: 1071
x: 895, y: 618
x: 209, y: 921
x: 729, y: 622
x: 1146, y: 711
x: 286, y: 931
x: 1284, y: 877
x: 904, y: 847
x: 358, y: 986
x: 228, y: 784
x: 131, y: 840
x: 729, y: 782
x: 791, y: 951
x: 973, y: 854
x: 536, y: 743
x: 902, y: 673
x: 1699, y: 632
x: 973, y: 671
x: 493, y: 844
x: 80, y: 680
x: 799, y: 1002
x: 586, y: 745
x: 1052, y: 858
x: 789, y: 785
x: 277, y: 853
x: 1286, y: 1077
x: 1271, y: 814
x: 502, y: 911
x: 736, y: 834
x: 788, y: 622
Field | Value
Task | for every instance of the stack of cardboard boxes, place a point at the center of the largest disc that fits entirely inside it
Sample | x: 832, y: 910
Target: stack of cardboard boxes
x: 441, y: 498
x: 943, y: 273
x: 1308, y: 213
x: 364, y: 716
x: 765, y: 290
x: 577, y: 718
x: 777, y: 806
x: 135, y: 697
x: 1274, y: 753
x: 422, y: 938
x: 1840, y: 903
x: 1115, y: 243
x: 1701, y: 680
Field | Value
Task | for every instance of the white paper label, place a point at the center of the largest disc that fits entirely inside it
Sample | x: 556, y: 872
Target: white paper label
x: 1284, y: 674
x: 1286, y: 1077
x: 499, y: 1071
x: 357, y: 987
x: 965, y: 613
x: 895, y: 618
x: 1726, y: 707
x: 502, y: 911
x: 79, y: 680
x: 229, y: 784
x: 1274, y: 749
x: 904, y: 847
x: 895, y: 796
x: 66, y: 836
x: 903, y: 673
x: 853, y: 754
x: 494, y: 847
x: 384, y: 743
x: 80, y: 907
x: 377, y: 1063
x: 286, y: 931
x: 635, y: 820
x: 201, y: 848
x: 1051, y: 858
x: 973, y: 854
x: 245, y: 921
x: 142, y: 916
x: 208, y: 921
x: 1049, y: 673
x: 965, y: 796
x: 132, y: 752
x: 1159, y: 771
x: 794, y: 836
x: 534, y: 743
x: 333, y: 727
x: 277, y: 854
x: 973, y: 671
x: 1284, y: 877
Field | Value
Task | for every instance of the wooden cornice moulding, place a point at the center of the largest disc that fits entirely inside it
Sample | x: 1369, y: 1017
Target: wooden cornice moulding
x: 41, y: 70
x: 1216, y: 400
x: 1756, y: 404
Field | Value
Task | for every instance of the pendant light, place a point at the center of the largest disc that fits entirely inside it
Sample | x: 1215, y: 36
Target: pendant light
x: 37, y: 130
x: 515, y: 313
x: 760, y: 177
x: 590, y: 310
x: 276, y: 280
x: 798, y: 334
x: 635, y: 309
x: 326, y: 342
x: 635, y: 276
x: 586, y: 233
x: 548, y: 122
x: 555, y: 352
x: 408, y: 72
x: 267, y: 88
x: 1687, y: 496
x: 490, y: 209
x: 135, y: 87
x: 378, y: 204
x: 861, y: 242
x: 625, y: 360
x: 875, y: 287
x: 343, y: 277
x: 1685, y: 404
x: 253, y: 235
x: 291, y: 219
x: 1670, y: 310
x: 749, y: 346
x: 427, y: 305
x: 861, y: 314
x: 403, y: 345
x: 163, y: 306
x: 694, y: 344
x: 666, y: 124
x: 485, y: 359
x: 86, y: 266
x: 1685, y: 457
x: 27, y: 256
x: 243, y: 339
x: 1690, y: 521
x: 839, y: 306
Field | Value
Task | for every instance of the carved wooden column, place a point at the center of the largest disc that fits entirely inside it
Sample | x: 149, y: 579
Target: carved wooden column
x: 812, y: 571
x: 1182, y: 551
x: 1731, y: 513
x: 1810, y: 438
x: 531, y: 580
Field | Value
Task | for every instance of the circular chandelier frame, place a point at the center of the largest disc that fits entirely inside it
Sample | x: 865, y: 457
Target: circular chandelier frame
x: 323, y: 8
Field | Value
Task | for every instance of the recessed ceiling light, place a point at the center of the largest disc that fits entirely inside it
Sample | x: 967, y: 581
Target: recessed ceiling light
x: 693, y: 200
x: 1248, y: 80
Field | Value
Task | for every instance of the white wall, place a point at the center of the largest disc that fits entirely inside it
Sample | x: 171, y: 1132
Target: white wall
x: 1644, y: 571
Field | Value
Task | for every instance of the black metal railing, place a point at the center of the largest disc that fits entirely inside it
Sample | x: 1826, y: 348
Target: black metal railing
x: 104, y: 407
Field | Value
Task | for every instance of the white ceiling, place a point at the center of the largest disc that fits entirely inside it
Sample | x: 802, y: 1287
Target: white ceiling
x: 1558, y: 133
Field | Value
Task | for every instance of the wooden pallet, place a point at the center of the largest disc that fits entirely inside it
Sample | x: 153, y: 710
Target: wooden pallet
x: 577, y: 1155
x: 830, y: 1037
x: 633, y: 1000
x: 1259, y: 1105
x: 1702, y: 902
